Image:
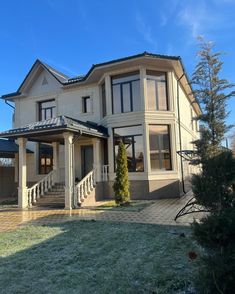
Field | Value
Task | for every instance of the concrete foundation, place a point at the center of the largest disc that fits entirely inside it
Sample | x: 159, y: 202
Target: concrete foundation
x: 143, y: 190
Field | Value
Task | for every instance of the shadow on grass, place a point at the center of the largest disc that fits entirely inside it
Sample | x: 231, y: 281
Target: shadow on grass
x: 95, y: 257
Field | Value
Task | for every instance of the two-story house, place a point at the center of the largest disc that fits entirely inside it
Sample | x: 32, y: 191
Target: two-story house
x: 74, y: 126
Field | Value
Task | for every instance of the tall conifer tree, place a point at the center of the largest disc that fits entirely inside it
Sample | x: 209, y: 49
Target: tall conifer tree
x: 212, y: 92
x: 121, y: 184
x: 214, y: 188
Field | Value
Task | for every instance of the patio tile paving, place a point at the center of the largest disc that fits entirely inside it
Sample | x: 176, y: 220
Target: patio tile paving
x: 160, y: 212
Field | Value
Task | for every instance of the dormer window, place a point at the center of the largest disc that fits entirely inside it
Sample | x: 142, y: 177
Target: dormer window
x: 86, y: 104
x: 47, y: 109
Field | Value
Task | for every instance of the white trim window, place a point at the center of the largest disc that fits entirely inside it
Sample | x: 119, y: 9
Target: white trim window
x: 132, y: 138
x: 47, y: 109
x: 86, y: 104
x: 126, y: 93
x: 160, y: 150
x: 157, y: 95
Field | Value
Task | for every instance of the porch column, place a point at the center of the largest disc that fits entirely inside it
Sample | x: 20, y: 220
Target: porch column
x: 22, y: 189
x: 69, y: 170
x: 55, y: 146
x: 97, y: 159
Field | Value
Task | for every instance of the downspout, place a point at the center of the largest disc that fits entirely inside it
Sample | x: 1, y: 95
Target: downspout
x: 13, y: 116
x: 9, y: 104
x: 180, y: 138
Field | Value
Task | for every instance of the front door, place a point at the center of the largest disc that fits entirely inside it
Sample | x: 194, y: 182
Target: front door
x: 87, y: 159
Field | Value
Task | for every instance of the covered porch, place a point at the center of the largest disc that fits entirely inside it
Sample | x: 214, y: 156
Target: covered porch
x: 78, y: 160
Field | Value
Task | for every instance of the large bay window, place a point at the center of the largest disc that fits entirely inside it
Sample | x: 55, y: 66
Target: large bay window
x: 159, y: 143
x: 133, y: 140
x: 126, y: 92
x: 157, y: 90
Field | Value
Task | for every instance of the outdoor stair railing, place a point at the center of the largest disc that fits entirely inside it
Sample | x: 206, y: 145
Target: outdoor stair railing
x: 85, y: 186
x: 40, y: 188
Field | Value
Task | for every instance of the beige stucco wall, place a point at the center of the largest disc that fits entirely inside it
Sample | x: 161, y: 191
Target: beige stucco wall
x: 69, y: 102
x: 189, y: 127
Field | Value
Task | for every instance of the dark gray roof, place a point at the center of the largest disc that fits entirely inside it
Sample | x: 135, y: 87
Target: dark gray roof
x: 8, y: 148
x: 60, y: 123
x: 144, y: 54
x: 65, y: 80
x: 57, y: 74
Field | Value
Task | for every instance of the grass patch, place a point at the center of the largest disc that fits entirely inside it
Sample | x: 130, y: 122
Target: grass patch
x: 96, y: 257
x: 135, y: 205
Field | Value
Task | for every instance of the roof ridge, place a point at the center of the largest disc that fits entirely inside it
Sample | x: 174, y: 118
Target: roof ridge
x: 54, y: 70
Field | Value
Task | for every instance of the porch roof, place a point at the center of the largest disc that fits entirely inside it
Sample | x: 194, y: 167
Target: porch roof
x: 8, y: 148
x: 56, y: 126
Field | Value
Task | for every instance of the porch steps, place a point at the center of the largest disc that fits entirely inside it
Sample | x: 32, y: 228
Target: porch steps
x: 54, y: 198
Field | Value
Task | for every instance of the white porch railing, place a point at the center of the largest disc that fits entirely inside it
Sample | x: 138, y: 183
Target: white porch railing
x: 105, y: 173
x: 85, y: 186
x: 40, y: 188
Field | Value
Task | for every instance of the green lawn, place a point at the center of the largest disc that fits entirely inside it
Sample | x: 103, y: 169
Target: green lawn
x: 96, y: 257
x: 135, y: 205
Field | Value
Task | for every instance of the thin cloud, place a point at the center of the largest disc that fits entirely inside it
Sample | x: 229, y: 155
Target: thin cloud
x: 201, y: 19
x: 194, y: 18
x: 163, y: 19
x: 145, y: 30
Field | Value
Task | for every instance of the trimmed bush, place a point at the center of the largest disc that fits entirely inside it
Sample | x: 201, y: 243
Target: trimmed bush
x: 121, y: 184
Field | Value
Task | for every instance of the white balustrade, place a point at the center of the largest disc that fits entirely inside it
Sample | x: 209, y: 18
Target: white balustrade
x: 40, y: 188
x: 85, y: 186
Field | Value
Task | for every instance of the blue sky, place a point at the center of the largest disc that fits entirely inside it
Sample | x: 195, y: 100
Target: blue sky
x: 71, y: 35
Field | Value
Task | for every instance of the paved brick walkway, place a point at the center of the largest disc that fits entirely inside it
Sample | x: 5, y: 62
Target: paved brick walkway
x: 161, y: 212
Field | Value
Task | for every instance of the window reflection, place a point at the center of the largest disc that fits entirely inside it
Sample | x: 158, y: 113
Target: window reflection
x: 133, y: 140
x: 126, y: 92
x: 159, y: 142
x: 156, y: 90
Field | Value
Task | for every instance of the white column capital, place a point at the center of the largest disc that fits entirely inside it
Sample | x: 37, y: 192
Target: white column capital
x: 21, y: 141
x: 95, y: 140
x: 68, y: 137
